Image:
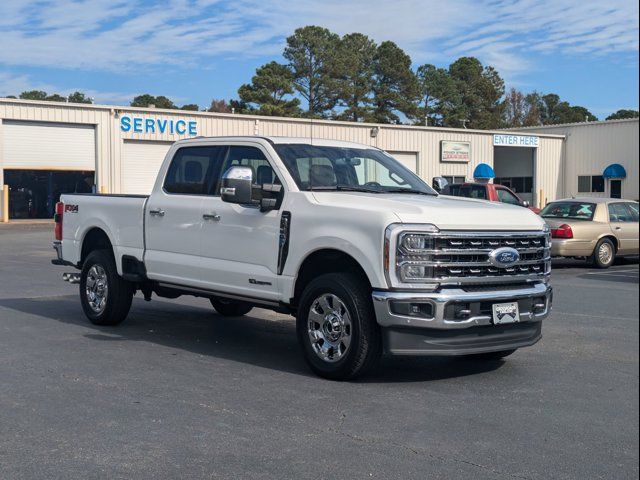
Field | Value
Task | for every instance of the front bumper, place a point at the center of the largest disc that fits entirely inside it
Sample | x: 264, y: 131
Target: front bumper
x: 459, y: 322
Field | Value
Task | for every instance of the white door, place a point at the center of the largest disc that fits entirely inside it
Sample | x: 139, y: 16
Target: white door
x: 408, y: 159
x: 46, y: 146
x: 173, y: 216
x: 240, y: 247
x: 141, y: 162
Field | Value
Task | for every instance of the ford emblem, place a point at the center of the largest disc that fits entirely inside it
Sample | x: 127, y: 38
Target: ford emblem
x: 504, y: 257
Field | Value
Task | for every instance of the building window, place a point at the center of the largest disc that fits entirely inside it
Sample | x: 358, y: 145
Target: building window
x: 454, y: 179
x: 517, y: 184
x: 590, y: 184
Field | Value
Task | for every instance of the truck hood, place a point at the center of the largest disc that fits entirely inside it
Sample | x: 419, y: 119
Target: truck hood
x: 446, y: 213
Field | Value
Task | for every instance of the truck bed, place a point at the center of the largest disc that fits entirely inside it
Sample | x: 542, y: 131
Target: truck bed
x: 121, y: 217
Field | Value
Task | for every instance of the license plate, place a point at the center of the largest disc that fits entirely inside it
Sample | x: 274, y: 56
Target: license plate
x: 505, y: 313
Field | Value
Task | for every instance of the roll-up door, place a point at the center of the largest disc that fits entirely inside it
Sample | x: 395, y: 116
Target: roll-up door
x: 48, y: 146
x: 408, y: 159
x: 141, y: 162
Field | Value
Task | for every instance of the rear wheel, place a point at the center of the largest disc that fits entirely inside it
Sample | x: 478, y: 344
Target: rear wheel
x: 604, y: 254
x: 336, y: 327
x: 230, y: 308
x: 105, y: 296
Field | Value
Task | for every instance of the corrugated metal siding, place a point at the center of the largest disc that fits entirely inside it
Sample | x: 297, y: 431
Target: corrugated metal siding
x: 425, y: 142
x: 591, y: 147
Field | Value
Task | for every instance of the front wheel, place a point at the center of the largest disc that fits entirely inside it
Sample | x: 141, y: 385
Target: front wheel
x: 105, y: 296
x: 336, y: 327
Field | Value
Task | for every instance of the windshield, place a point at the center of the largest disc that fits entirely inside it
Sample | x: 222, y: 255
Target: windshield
x: 569, y: 210
x: 349, y: 169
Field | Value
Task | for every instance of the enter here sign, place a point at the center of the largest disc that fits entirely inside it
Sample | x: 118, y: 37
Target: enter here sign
x: 502, y: 140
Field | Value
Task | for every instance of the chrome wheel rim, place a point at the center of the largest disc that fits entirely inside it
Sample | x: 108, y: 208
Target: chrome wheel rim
x: 329, y: 327
x: 605, y: 253
x: 97, y: 288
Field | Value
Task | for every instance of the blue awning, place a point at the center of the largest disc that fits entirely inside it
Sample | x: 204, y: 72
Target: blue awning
x: 615, y: 170
x: 484, y: 171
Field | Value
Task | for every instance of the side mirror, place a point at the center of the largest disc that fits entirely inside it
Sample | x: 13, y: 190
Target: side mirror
x: 525, y: 204
x: 439, y: 183
x: 236, y: 185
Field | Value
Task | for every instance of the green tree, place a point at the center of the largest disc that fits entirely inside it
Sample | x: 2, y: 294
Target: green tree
x: 79, y: 97
x: 395, y: 88
x: 438, y: 95
x: 55, y: 97
x: 146, y: 99
x: 354, y: 64
x: 622, y: 114
x: 270, y: 91
x: 191, y: 107
x: 481, y: 90
x: 311, y: 52
x: 33, y: 95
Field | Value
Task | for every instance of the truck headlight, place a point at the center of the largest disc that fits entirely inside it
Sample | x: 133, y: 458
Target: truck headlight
x: 408, y: 255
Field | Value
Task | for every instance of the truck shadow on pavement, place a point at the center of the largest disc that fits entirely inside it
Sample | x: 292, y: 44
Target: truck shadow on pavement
x: 252, y: 339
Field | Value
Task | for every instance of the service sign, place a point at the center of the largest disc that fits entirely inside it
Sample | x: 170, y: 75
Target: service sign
x: 147, y: 125
x: 503, y: 140
x: 455, y: 151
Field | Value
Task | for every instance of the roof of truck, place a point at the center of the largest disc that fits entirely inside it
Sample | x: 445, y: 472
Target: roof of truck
x: 321, y: 142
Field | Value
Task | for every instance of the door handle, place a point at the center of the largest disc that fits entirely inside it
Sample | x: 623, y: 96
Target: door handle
x: 618, y: 228
x: 157, y: 212
x: 211, y: 216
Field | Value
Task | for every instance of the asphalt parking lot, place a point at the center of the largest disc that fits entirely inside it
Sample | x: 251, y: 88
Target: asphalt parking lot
x: 179, y: 392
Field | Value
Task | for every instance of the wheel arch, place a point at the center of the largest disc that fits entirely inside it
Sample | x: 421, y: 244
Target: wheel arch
x: 94, y: 238
x: 325, y: 260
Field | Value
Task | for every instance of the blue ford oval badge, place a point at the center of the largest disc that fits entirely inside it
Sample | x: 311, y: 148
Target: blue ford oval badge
x: 504, y: 257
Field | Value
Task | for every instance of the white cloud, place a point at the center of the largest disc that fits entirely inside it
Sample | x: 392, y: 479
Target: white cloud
x: 121, y: 35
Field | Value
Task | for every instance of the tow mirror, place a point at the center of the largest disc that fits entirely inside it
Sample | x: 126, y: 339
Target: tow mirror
x: 439, y: 183
x: 236, y: 185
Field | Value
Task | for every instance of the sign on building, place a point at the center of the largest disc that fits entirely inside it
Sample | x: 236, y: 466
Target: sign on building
x: 503, y: 140
x: 455, y: 151
x: 146, y: 125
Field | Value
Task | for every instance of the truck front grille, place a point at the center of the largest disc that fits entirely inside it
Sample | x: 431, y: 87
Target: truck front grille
x: 461, y: 257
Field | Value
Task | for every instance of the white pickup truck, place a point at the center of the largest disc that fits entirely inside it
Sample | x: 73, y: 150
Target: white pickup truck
x: 359, y: 249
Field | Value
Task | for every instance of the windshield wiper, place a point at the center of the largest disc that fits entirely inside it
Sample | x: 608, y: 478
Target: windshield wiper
x: 409, y: 190
x: 344, y: 188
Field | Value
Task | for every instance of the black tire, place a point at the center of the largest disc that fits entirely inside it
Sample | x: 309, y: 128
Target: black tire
x: 597, y: 259
x: 492, y: 355
x: 365, y: 342
x: 230, y: 308
x: 119, y: 291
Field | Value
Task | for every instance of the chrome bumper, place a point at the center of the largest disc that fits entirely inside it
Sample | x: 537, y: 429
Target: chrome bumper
x: 452, y: 309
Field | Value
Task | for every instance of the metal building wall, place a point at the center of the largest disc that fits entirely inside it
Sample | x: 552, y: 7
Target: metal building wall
x: 591, y: 147
x: 424, y: 141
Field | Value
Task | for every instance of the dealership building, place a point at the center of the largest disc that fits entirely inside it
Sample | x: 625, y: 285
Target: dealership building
x: 49, y: 148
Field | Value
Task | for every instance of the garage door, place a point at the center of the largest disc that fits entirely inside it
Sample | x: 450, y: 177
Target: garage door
x: 408, y: 159
x: 38, y: 146
x: 141, y: 162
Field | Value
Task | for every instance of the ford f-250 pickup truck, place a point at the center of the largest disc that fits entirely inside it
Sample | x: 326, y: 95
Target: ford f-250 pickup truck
x: 366, y: 256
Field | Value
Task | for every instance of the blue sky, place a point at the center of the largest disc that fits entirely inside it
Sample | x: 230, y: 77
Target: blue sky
x: 196, y: 50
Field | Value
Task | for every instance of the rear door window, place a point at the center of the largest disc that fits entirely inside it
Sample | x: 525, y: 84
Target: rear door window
x: 192, y: 170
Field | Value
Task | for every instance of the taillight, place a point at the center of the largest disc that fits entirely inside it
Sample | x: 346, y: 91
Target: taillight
x: 57, y: 217
x: 563, y: 231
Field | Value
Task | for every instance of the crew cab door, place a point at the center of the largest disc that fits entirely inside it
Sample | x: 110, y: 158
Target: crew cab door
x: 173, y: 218
x: 240, y: 243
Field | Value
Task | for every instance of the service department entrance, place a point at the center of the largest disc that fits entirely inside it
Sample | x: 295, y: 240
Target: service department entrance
x: 43, y: 160
x: 514, y: 164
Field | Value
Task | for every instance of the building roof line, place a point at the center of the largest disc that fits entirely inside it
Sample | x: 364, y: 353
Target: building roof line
x: 575, y: 124
x: 122, y: 109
